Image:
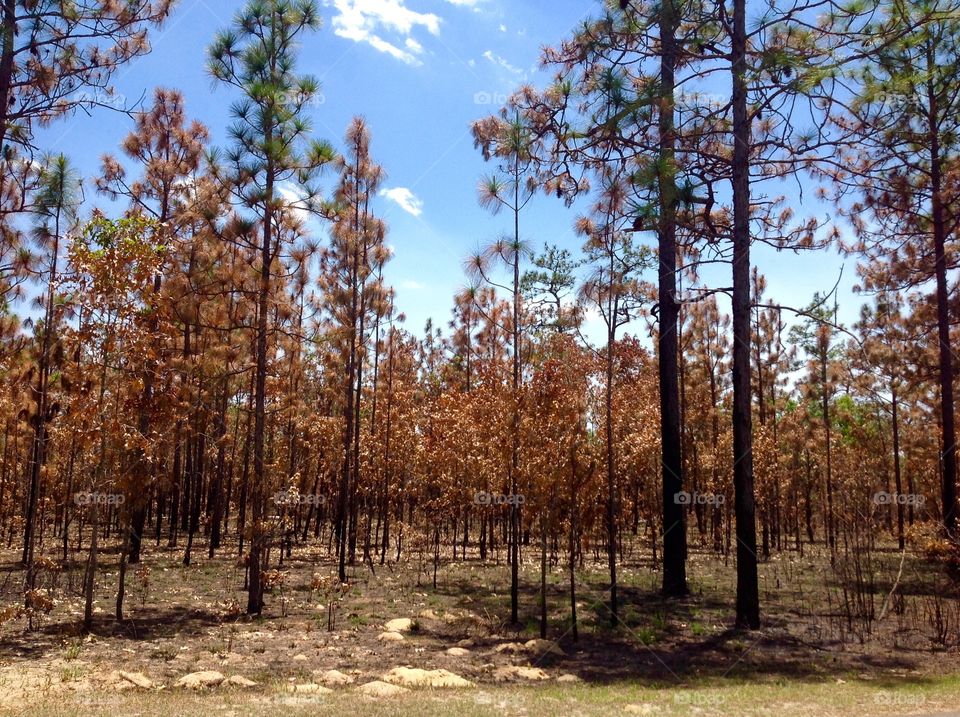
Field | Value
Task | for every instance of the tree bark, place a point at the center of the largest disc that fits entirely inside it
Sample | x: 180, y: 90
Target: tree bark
x: 674, y: 528
x: 748, y: 598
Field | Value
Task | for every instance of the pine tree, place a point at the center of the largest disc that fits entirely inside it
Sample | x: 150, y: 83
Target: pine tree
x: 271, y: 147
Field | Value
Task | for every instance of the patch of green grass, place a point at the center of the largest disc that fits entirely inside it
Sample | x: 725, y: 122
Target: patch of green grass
x: 72, y: 652
x: 218, y: 648
x: 71, y: 673
x: 356, y: 620
x: 749, y: 698
x: 646, y: 635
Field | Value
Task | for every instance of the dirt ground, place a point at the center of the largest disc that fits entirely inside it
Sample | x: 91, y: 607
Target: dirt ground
x: 181, y: 621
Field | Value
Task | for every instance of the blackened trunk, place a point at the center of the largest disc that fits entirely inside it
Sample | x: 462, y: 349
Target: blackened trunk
x: 748, y: 598
x: 674, y: 529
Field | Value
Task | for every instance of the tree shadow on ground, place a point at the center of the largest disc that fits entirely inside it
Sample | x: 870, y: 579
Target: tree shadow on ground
x: 149, y: 624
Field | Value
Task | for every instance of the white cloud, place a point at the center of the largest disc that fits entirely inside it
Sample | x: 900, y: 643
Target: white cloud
x: 502, y: 62
x: 412, y: 285
x: 294, y: 201
x: 466, y: 3
x: 368, y: 20
x: 405, y: 199
x: 379, y: 43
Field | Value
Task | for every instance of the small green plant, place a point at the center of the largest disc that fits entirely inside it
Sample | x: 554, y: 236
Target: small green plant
x: 71, y: 674
x: 356, y: 620
x: 646, y: 635
x: 73, y: 650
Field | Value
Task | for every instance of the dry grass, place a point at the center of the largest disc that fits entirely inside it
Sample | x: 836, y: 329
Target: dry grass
x: 677, y: 657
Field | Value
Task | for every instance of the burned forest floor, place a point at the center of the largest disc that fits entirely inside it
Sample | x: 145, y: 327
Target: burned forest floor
x: 877, y: 632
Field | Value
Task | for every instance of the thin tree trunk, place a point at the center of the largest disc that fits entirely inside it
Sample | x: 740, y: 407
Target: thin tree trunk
x: 674, y: 528
x: 748, y: 597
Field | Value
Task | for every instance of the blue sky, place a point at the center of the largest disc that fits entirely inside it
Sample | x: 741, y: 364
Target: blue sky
x: 419, y: 71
